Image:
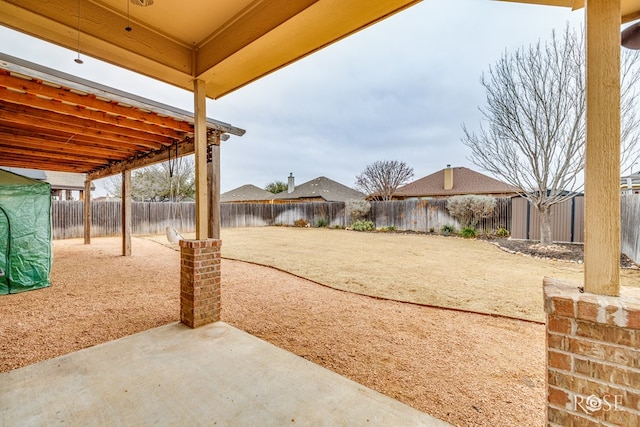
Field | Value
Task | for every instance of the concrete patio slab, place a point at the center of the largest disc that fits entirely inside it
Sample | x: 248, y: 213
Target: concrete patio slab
x: 177, y: 376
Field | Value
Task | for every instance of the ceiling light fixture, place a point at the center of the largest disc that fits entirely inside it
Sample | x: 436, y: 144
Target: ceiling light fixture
x: 128, y: 27
x: 78, y: 60
x: 143, y: 3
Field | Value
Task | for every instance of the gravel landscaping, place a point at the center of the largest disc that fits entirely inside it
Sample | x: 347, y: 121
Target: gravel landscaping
x: 467, y: 369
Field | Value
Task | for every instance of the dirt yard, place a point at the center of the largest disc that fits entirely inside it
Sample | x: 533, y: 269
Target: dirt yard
x: 467, y: 369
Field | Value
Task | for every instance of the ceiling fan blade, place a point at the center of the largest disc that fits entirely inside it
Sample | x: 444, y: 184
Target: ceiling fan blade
x: 631, y: 36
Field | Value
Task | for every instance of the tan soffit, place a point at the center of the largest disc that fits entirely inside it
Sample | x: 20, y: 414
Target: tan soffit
x: 630, y: 8
x: 227, y: 43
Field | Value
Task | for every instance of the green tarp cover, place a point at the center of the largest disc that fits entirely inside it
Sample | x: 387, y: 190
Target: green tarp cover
x: 25, y: 233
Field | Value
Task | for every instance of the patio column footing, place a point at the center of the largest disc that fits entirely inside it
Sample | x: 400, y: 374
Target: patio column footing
x: 199, y: 282
x: 593, y: 356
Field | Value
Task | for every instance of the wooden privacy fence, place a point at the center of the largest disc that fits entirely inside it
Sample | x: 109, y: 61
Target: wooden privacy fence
x: 516, y: 215
x: 432, y: 215
x: 153, y: 217
x: 261, y: 214
x: 67, y: 218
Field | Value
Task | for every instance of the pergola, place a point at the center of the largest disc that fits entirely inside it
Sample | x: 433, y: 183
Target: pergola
x: 50, y: 120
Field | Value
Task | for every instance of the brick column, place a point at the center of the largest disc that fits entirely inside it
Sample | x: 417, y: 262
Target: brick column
x: 199, y: 282
x: 593, y: 356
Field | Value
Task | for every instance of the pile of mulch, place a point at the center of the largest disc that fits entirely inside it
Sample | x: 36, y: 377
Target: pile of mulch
x: 570, y: 252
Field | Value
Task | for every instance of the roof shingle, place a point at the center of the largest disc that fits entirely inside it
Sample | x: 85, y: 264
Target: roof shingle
x: 322, y: 187
x: 246, y: 193
x: 465, y: 181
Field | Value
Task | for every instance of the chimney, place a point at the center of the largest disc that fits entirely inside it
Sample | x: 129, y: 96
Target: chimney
x: 291, y: 185
x: 448, y: 178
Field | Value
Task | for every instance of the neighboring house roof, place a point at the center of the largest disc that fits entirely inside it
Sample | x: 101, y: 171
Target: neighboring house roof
x: 321, y: 187
x: 246, y: 193
x: 465, y: 181
x: 57, y: 180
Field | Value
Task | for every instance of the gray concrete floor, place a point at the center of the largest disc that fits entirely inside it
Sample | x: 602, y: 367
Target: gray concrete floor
x: 176, y: 376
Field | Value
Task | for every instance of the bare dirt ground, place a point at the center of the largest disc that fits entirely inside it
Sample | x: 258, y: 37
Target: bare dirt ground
x: 467, y: 369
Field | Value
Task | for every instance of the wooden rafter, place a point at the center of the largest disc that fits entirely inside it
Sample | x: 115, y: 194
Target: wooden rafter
x: 102, y: 134
x: 99, y: 116
x: 89, y: 101
x: 52, y: 121
x: 27, y: 143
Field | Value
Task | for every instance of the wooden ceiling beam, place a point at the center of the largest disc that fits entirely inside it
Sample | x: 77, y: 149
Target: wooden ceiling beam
x: 81, y: 112
x: 41, y: 164
x: 50, y: 154
x: 45, y: 120
x: 185, y: 148
x: 98, y: 24
x: 248, y: 26
x: 630, y: 17
x: 46, y: 135
x: 35, y: 143
x: 90, y: 101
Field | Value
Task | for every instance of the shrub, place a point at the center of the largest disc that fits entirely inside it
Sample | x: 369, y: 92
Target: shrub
x: 502, y: 232
x: 322, y: 222
x: 447, y: 229
x: 469, y: 232
x: 389, y: 228
x: 300, y: 222
x: 363, y: 226
x: 470, y: 209
x: 357, y: 209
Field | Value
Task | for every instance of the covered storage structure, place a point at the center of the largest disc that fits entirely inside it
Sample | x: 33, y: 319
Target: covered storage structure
x: 25, y: 233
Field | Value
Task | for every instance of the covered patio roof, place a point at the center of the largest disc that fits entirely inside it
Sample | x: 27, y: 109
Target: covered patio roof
x: 55, y: 121
x: 226, y: 43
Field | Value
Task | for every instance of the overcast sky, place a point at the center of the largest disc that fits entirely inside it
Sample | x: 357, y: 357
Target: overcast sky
x: 398, y: 90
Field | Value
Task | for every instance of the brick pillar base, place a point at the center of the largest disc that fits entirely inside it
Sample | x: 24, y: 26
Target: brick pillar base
x: 593, y: 356
x: 199, y: 282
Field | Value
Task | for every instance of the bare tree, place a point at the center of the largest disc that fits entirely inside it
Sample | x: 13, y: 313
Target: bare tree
x: 381, y: 179
x: 534, y: 137
x: 171, y: 181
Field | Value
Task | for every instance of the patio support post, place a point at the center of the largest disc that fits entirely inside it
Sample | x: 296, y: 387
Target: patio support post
x: 213, y: 184
x: 126, y: 213
x: 593, y: 334
x: 200, y: 134
x: 602, y: 167
x: 200, y: 258
x: 87, y: 211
